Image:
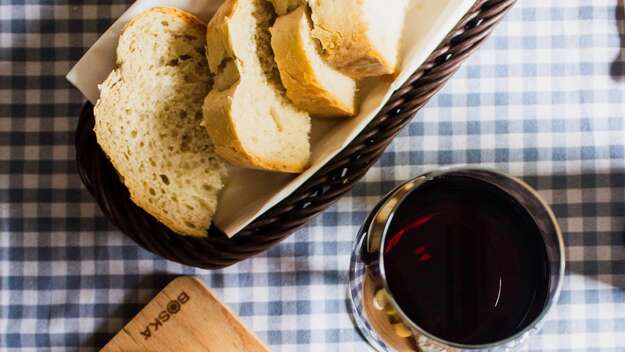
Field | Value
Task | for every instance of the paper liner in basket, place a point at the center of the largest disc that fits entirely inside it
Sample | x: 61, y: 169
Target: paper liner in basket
x: 249, y: 193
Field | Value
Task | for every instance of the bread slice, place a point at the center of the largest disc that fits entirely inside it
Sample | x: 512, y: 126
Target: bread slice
x: 247, y: 115
x: 311, y: 84
x: 359, y: 37
x: 147, y: 120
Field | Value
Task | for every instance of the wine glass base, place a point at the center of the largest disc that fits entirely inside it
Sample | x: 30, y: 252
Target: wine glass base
x: 374, y: 324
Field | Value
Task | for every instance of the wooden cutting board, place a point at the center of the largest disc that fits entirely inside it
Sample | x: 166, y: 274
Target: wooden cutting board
x: 185, y: 316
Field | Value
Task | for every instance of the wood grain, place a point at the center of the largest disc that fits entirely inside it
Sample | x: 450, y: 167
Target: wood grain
x: 185, y: 316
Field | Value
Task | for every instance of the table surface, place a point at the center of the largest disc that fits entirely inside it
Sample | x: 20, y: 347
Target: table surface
x: 543, y: 99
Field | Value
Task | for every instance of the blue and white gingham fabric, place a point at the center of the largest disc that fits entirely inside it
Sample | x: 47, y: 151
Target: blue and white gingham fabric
x: 543, y: 99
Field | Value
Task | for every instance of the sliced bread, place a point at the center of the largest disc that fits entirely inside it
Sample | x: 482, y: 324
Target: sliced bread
x: 147, y: 120
x: 311, y: 84
x: 359, y: 37
x: 247, y: 114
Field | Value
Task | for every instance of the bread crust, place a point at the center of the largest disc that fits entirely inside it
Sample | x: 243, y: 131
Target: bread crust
x: 183, y: 15
x: 345, y: 42
x: 283, y: 7
x: 218, y: 35
x: 297, y: 71
x: 342, y: 28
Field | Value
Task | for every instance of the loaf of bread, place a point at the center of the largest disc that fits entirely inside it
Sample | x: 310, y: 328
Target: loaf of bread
x: 247, y: 114
x: 311, y: 84
x: 359, y: 37
x: 147, y: 120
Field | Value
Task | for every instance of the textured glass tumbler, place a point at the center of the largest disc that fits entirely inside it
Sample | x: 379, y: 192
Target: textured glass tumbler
x: 369, y: 292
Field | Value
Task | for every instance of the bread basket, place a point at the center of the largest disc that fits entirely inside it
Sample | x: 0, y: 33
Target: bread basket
x: 316, y: 194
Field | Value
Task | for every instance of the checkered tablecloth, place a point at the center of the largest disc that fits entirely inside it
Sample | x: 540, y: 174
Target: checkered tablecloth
x: 543, y: 99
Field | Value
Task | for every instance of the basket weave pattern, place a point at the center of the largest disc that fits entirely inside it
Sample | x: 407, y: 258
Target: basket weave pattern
x: 320, y: 191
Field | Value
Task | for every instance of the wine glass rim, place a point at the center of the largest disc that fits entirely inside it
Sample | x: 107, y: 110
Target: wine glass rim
x: 551, y: 299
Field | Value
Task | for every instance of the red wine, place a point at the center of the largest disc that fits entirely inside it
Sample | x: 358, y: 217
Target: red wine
x: 465, y: 261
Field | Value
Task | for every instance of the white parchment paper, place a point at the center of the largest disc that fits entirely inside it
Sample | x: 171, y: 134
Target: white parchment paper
x: 248, y: 193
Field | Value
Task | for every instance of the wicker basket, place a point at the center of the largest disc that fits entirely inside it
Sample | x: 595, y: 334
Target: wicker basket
x: 320, y: 191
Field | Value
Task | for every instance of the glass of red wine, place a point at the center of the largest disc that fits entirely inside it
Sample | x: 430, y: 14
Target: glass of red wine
x: 457, y: 259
